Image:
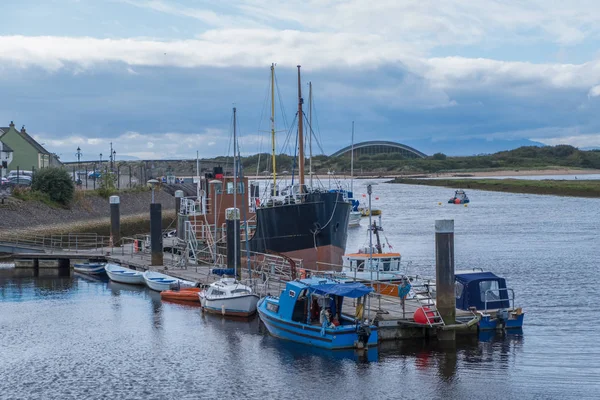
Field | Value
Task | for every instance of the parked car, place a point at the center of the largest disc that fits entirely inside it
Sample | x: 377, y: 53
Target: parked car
x: 19, y: 181
x: 20, y: 173
x: 94, y: 175
x: 3, y: 181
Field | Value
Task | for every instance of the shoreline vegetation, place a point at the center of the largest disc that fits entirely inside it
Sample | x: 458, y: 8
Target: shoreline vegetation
x: 573, y: 188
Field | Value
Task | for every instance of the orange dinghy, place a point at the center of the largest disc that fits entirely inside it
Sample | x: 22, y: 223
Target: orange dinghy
x: 185, y: 294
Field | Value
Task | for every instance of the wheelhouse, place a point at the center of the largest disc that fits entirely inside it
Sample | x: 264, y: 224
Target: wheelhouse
x: 482, y: 290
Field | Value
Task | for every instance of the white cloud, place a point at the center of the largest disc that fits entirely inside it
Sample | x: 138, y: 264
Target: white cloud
x: 168, y: 145
x: 425, y: 23
x: 594, y: 91
x: 257, y: 48
x: 587, y: 140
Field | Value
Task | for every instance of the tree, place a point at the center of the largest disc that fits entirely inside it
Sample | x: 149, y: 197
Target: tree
x: 56, y: 183
x: 439, y: 156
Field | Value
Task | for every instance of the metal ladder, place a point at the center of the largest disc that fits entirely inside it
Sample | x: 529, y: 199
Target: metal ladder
x: 427, y: 304
x: 191, y: 241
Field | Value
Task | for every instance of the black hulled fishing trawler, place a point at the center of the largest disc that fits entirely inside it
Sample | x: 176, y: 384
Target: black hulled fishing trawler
x: 300, y: 221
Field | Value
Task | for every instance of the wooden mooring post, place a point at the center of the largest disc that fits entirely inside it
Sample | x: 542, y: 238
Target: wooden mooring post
x: 444, y: 275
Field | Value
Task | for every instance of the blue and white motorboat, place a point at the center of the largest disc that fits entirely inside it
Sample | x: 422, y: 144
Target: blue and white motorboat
x: 89, y: 268
x: 487, y: 295
x: 309, y: 311
x: 121, y: 274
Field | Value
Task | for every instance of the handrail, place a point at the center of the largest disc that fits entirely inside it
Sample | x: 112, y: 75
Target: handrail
x: 499, y: 290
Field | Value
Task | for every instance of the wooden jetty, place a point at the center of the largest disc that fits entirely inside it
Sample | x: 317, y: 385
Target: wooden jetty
x: 267, y: 272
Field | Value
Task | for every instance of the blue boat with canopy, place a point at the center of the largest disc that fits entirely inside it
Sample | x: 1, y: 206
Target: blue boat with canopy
x: 488, y: 294
x: 310, y: 311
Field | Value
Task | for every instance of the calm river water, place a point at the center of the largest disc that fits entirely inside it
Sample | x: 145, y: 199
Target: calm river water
x: 81, y: 338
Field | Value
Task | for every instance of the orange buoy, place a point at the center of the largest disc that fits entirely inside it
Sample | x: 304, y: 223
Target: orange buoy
x: 422, y: 314
x: 185, y: 294
x: 456, y: 201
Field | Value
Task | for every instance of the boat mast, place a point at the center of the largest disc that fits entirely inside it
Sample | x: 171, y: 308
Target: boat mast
x: 273, y: 128
x: 300, y: 135
x: 197, y: 176
x: 235, y: 233
x: 352, y: 163
x: 310, y: 133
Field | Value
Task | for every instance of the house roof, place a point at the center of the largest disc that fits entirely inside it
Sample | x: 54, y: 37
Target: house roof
x: 28, y: 138
x: 6, y: 148
x: 3, y: 130
x: 32, y: 142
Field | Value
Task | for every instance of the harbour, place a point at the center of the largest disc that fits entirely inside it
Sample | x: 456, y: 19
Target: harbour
x: 511, y: 234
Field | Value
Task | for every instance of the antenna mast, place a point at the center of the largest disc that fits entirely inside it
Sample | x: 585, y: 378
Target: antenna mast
x: 310, y: 134
x: 273, y: 128
x: 235, y: 233
x: 300, y: 135
x: 352, y: 162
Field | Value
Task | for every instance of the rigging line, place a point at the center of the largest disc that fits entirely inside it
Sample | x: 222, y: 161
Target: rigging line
x: 283, y: 114
x: 288, y: 136
x: 320, y: 138
x: 262, y: 114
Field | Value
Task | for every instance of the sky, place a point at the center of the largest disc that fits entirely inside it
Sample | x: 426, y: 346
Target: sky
x: 159, y: 78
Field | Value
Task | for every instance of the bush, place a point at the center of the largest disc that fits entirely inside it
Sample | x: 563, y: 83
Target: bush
x: 56, y: 183
x: 108, y: 184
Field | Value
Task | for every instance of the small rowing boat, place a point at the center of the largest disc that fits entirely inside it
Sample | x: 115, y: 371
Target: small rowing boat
x: 89, y: 268
x: 184, y: 294
x: 159, y: 282
x: 124, y: 275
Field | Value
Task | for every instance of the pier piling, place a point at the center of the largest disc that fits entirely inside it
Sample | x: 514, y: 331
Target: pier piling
x: 232, y: 216
x: 115, y: 220
x: 156, y: 239
x: 444, y: 274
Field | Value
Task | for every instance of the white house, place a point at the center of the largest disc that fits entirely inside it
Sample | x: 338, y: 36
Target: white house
x: 6, y: 156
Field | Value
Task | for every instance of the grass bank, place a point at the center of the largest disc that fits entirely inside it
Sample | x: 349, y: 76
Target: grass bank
x: 576, y: 188
x: 130, y: 225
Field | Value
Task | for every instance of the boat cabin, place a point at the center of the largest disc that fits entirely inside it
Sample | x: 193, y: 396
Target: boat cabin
x: 311, y: 300
x: 382, y: 262
x: 482, y: 290
x: 215, y: 196
x: 227, y: 287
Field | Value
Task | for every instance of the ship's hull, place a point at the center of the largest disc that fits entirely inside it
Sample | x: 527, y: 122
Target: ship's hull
x: 314, y: 231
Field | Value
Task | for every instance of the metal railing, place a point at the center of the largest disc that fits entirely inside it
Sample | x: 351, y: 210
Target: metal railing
x: 71, y: 242
x: 500, y: 300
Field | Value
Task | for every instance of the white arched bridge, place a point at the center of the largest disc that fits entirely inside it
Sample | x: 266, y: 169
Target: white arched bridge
x: 380, y: 147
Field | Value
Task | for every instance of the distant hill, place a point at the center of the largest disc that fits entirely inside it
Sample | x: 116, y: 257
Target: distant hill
x: 469, y: 147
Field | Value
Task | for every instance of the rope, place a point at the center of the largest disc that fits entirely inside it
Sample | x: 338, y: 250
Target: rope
x: 316, y: 231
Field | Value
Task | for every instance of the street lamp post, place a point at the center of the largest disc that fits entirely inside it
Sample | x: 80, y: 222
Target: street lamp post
x: 78, y: 163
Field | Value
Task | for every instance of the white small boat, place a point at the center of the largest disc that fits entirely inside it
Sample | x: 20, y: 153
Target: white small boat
x: 124, y: 275
x: 354, y: 219
x: 89, y: 268
x: 229, y: 297
x: 159, y: 282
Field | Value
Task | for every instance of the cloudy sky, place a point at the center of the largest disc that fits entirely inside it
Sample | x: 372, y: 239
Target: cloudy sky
x: 159, y: 78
